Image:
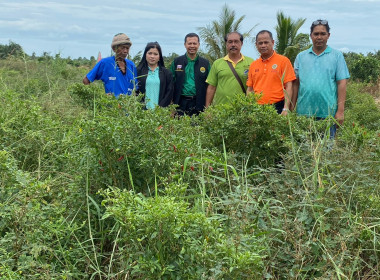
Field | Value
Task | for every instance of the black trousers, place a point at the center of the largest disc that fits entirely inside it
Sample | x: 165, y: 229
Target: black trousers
x: 187, y: 106
x: 279, y: 106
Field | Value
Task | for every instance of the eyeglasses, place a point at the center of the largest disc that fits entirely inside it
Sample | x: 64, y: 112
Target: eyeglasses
x: 318, y: 22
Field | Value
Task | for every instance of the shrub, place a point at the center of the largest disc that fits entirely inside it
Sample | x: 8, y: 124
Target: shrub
x: 162, y: 238
x: 365, y: 68
x: 247, y: 129
x: 35, y: 238
x: 130, y: 148
x: 319, y: 210
x: 361, y: 109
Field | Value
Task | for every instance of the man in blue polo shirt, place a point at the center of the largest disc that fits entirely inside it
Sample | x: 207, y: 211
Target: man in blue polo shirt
x: 322, y: 75
x: 117, y: 73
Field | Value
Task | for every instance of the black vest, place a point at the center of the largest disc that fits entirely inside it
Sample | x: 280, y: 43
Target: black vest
x: 201, y: 69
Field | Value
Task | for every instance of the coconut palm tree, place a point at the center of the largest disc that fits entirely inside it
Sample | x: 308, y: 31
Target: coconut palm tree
x: 213, y: 34
x: 288, y: 42
x: 301, y: 43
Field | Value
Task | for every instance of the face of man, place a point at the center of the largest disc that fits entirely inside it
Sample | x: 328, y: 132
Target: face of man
x: 264, y: 45
x: 192, y: 46
x: 122, y: 51
x: 233, y: 44
x: 319, y: 36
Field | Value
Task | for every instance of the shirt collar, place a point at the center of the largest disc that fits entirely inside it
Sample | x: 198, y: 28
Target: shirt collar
x: 229, y: 59
x: 157, y: 69
x: 268, y: 57
x: 189, y: 59
x: 327, y: 50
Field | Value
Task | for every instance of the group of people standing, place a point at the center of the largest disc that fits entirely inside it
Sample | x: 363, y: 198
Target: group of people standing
x: 317, y: 83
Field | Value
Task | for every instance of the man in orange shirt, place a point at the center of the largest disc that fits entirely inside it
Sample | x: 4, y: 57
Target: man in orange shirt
x: 271, y: 75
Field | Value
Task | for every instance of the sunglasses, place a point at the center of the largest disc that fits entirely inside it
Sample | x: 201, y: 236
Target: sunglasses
x: 318, y: 22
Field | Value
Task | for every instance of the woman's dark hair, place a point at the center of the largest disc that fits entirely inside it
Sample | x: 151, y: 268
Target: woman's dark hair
x: 152, y: 45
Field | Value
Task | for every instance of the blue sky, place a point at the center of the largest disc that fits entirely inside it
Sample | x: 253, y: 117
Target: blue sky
x: 83, y: 28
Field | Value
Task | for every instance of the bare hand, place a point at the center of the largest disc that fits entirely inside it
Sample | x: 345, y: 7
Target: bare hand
x: 339, y: 117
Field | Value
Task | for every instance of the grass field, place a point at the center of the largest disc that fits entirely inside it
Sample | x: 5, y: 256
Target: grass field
x: 96, y: 188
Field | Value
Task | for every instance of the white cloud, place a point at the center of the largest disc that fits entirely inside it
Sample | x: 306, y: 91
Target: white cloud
x: 344, y: 50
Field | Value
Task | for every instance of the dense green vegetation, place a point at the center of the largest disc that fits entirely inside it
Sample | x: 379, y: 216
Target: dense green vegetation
x: 96, y: 188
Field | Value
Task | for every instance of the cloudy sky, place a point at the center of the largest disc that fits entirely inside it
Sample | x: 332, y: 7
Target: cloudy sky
x: 83, y: 28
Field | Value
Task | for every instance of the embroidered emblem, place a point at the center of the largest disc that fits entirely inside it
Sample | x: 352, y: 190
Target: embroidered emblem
x: 274, y: 66
x: 246, y: 72
x: 179, y: 67
x: 202, y: 69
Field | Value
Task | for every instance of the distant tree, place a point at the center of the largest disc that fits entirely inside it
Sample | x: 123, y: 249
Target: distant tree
x: 169, y: 59
x: 136, y: 58
x: 363, y: 68
x: 213, y: 34
x: 45, y: 57
x: 288, y: 42
x: 350, y: 58
x: 12, y: 49
x: 377, y: 54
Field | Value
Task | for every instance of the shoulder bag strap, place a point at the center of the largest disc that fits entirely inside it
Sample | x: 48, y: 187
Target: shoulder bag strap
x: 236, y: 75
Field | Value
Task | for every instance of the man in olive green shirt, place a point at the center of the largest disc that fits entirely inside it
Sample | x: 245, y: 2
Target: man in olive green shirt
x: 223, y: 85
x: 189, y: 73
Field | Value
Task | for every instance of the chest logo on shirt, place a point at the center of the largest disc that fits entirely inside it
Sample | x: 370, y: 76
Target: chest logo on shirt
x: 246, y: 72
x: 274, y: 66
x: 112, y: 78
x: 202, y: 69
x: 179, y: 68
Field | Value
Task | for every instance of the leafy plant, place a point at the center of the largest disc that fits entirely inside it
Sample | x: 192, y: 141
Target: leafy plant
x: 365, y: 68
x: 162, y: 238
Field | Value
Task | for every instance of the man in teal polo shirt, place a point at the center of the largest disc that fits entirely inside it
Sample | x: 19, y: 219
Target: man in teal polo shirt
x: 223, y: 85
x: 322, y: 73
